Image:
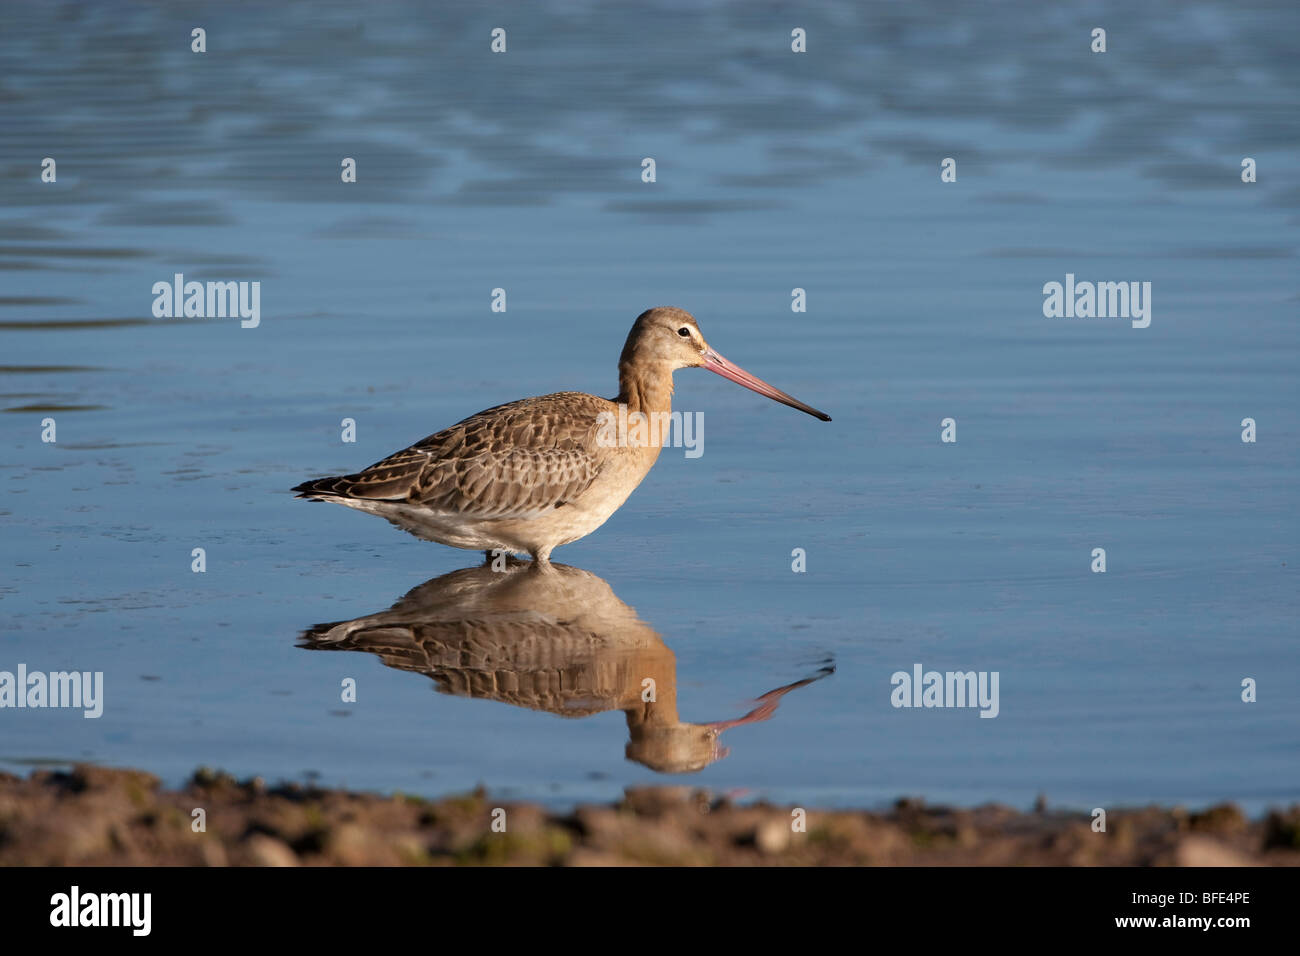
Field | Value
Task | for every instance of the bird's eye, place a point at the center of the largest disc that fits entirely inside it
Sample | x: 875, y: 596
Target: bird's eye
x: 684, y: 332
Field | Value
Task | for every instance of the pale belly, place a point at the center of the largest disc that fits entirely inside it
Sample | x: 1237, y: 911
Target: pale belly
x: 534, y: 535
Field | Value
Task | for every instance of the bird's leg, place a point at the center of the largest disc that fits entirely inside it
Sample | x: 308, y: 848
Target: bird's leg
x: 542, y: 559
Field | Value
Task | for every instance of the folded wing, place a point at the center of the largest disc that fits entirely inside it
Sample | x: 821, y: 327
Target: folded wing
x: 513, y: 461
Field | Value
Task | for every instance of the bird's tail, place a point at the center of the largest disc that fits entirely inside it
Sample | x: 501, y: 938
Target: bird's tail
x: 319, y: 489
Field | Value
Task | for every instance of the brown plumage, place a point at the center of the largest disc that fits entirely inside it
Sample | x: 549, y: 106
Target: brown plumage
x: 512, y: 461
x: 540, y: 472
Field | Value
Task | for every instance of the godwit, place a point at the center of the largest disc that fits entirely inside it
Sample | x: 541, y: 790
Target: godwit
x: 540, y: 472
x: 560, y: 642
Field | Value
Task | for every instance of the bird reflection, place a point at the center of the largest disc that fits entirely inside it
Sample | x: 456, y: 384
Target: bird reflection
x: 557, y: 640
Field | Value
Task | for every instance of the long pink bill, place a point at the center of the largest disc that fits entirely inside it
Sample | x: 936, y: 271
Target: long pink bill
x: 767, y: 704
x: 716, y: 363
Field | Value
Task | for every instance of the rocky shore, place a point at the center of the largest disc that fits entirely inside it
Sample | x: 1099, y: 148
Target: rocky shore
x: 100, y: 816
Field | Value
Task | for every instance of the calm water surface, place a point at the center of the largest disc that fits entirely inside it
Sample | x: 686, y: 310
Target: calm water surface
x: 775, y: 171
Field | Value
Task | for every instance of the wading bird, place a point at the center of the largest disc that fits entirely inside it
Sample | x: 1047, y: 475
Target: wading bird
x: 540, y: 472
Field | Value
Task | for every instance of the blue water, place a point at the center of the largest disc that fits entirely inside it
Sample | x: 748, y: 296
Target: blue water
x: 775, y: 170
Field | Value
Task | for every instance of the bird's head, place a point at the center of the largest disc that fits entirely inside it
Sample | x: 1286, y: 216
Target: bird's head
x: 666, y: 339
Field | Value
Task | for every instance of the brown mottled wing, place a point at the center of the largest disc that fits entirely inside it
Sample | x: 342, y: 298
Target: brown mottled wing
x: 513, y: 461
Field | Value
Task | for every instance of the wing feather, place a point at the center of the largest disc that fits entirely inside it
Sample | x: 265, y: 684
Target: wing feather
x: 513, y: 461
